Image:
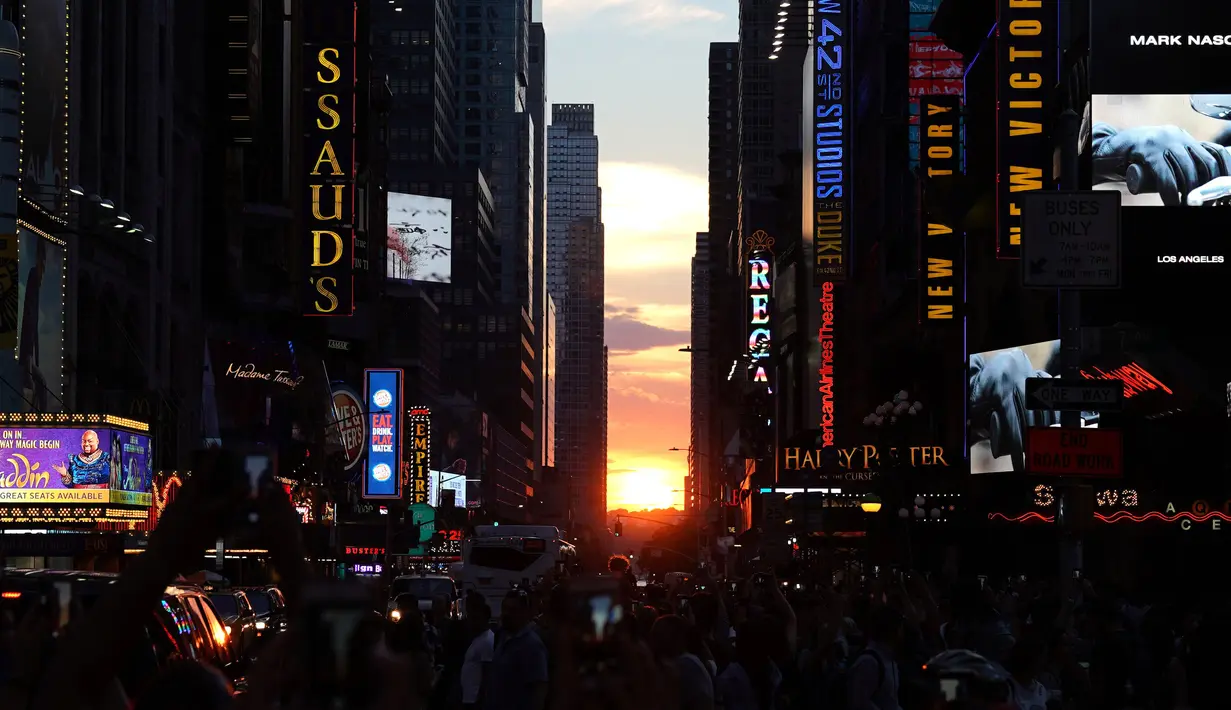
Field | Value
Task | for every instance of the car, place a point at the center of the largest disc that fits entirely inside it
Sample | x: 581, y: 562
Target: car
x: 184, y: 625
x: 238, y: 617
x: 424, y: 588
x: 270, y: 608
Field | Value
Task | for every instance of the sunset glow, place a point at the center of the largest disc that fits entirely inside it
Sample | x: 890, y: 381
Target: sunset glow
x: 651, y: 216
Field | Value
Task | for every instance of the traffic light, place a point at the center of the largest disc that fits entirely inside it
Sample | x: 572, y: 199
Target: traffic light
x: 619, y: 528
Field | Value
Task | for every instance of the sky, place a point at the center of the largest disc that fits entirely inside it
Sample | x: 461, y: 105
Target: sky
x: 643, y: 64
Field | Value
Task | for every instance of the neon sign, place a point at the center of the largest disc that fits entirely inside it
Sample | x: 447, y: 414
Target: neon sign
x: 417, y: 472
x: 825, y: 380
x: 1045, y: 497
x: 1026, y: 71
x: 940, y: 250
x: 795, y: 458
x: 831, y: 134
x: 329, y: 148
x: 1136, y: 379
x: 760, y: 289
x: 383, y: 397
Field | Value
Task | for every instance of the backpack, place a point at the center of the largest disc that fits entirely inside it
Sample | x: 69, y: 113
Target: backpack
x: 837, y: 682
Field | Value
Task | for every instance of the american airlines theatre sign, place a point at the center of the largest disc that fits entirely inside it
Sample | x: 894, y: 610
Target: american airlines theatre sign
x: 858, y: 463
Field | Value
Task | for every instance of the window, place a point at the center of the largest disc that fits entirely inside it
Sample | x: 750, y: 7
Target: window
x: 420, y: 87
x: 420, y: 38
x: 399, y: 37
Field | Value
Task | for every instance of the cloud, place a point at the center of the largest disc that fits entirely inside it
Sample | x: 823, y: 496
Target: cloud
x: 645, y: 15
x: 652, y: 214
x: 647, y: 395
x: 625, y: 332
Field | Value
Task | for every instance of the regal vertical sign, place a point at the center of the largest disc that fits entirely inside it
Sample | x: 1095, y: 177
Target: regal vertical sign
x: 382, y: 397
x: 760, y: 295
x: 1026, y: 75
x: 831, y: 159
x: 941, y: 244
x: 329, y: 155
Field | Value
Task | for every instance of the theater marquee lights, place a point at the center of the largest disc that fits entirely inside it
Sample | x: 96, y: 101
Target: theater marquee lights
x: 941, y: 252
x: 825, y: 375
x: 830, y: 159
x: 329, y: 152
x: 418, y: 474
x: 1026, y: 75
x: 760, y: 293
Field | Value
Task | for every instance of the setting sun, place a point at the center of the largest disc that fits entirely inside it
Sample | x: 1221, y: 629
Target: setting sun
x: 644, y: 489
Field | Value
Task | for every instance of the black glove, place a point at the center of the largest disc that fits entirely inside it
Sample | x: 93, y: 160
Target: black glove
x: 1174, y: 163
x: 998, y: 403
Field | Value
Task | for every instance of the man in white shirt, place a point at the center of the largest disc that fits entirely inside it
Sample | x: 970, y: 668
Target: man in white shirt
x: 873, y: 678
x: 478, y: 656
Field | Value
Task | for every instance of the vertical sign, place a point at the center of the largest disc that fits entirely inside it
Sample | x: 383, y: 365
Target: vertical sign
x: 1026, y: 76
x: 832, y: 124
x: 941, y: 253
x: 419, y: 456
x: 825, y: 372
x: 383, y: 398
x: 329, y: 156
x: 760, y: 293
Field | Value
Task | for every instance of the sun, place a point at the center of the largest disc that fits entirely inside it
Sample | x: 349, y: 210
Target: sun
x: 644, y: 489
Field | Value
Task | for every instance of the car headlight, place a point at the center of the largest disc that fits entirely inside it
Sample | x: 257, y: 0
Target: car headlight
x: 395, y: 615
x: 228, y: 631
x: 260, y: 625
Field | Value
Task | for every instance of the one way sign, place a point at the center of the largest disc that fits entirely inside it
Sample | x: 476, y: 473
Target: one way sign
x: 1074, y: 395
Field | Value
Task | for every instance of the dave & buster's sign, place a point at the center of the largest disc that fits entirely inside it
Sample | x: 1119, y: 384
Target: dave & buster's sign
x: 1027, y: 73
x: 328, y: 246
x: 829, y: 160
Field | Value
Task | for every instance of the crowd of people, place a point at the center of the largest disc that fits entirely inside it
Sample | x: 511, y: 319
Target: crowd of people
x: 887, y: 642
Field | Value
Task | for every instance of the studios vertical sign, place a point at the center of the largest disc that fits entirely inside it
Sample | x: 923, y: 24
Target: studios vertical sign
x: 941, y: 243
x: 328, y: 68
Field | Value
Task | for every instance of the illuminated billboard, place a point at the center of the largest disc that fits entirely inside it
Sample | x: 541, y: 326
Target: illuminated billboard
x: 352, y: 424
x: 417, y: 468
x: 1026, y: 76
x: 997, y: 418
x: 420, y: 244
x: 44, y: 103
x: 942, y: 256
x: 439, y: 481
x: 829, y: 162
x: 383, y: 397
x: 824, y: 367
x: 760, y: 294
x: 328, y: 248
x: 74, y: 465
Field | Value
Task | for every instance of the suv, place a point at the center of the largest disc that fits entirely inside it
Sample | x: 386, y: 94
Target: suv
x: 270, y: 608
x: 238, y: 616
x: 183, y: 626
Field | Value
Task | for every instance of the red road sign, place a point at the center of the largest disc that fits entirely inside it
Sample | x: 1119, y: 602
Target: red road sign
x: 1092, y: 453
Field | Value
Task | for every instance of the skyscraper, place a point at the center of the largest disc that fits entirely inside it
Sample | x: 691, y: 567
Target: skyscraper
x: 544, y: 410
x: 700, y: 396
x: 575, y: 280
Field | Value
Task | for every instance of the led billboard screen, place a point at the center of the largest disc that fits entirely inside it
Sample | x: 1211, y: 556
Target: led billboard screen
x: 828, y: 162
x: 74, y: 465
x: 1026, y: 76
x: 328, y: 212
x: 1160, y: 128
x: 420, y: 243
x: 44, y: 105
x: 383, y: 396
x: 446, y: 481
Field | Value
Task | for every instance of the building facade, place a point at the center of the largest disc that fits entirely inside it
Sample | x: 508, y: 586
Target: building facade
x: 575, y: 280
x: 701, y: 403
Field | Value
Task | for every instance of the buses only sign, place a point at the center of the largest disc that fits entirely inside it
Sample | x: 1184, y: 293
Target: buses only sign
x: 1084, y: 453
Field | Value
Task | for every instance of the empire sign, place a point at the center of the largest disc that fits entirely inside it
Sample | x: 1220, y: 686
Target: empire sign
x: 329, y: 154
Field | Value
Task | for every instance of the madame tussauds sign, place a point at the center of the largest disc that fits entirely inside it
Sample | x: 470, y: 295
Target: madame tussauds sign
x: 249, y: 371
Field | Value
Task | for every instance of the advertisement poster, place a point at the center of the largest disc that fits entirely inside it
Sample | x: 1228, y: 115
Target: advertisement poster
x: 828, y: 161
x: 444, y: 481
x: 1160, y: 130
x: 40, y: 323
x: 44, y: 110
x: 351, y: 424
x: 383, y: 395
x: 420, y: 238
x: 70, y: 465
x: 132, y: 471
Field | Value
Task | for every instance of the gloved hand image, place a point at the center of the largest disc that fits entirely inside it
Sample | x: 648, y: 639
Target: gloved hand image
x: 1163, y: 149
x: 998, y: 417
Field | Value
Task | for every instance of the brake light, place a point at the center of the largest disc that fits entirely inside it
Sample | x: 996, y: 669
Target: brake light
x: 10, y: 595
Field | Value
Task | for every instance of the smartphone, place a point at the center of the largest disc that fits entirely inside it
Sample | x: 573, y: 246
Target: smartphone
x: 732, y: 587
x: 681, y: 603
x: 337, y: 619
x: 596, y: 611
x: 64, y: 595
x: 983, y: 581
x: 1076, y: 574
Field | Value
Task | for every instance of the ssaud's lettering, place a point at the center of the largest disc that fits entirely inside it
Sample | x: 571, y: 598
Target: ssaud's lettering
x: 329, y: 127
x: 832, y: 146
x: 1026, y: 64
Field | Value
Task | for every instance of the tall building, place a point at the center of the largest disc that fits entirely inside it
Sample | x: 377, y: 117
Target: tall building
x: 575, y: 280
x: 412, y: 47
x: 495, y: 129
x: 544, y: 410
x: 700, y: 445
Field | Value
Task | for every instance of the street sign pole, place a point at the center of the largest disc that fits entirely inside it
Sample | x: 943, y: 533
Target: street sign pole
x: 1070, y: 557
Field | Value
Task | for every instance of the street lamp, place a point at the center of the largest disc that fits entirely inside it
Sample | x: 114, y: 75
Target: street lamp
x: 871, y: 503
